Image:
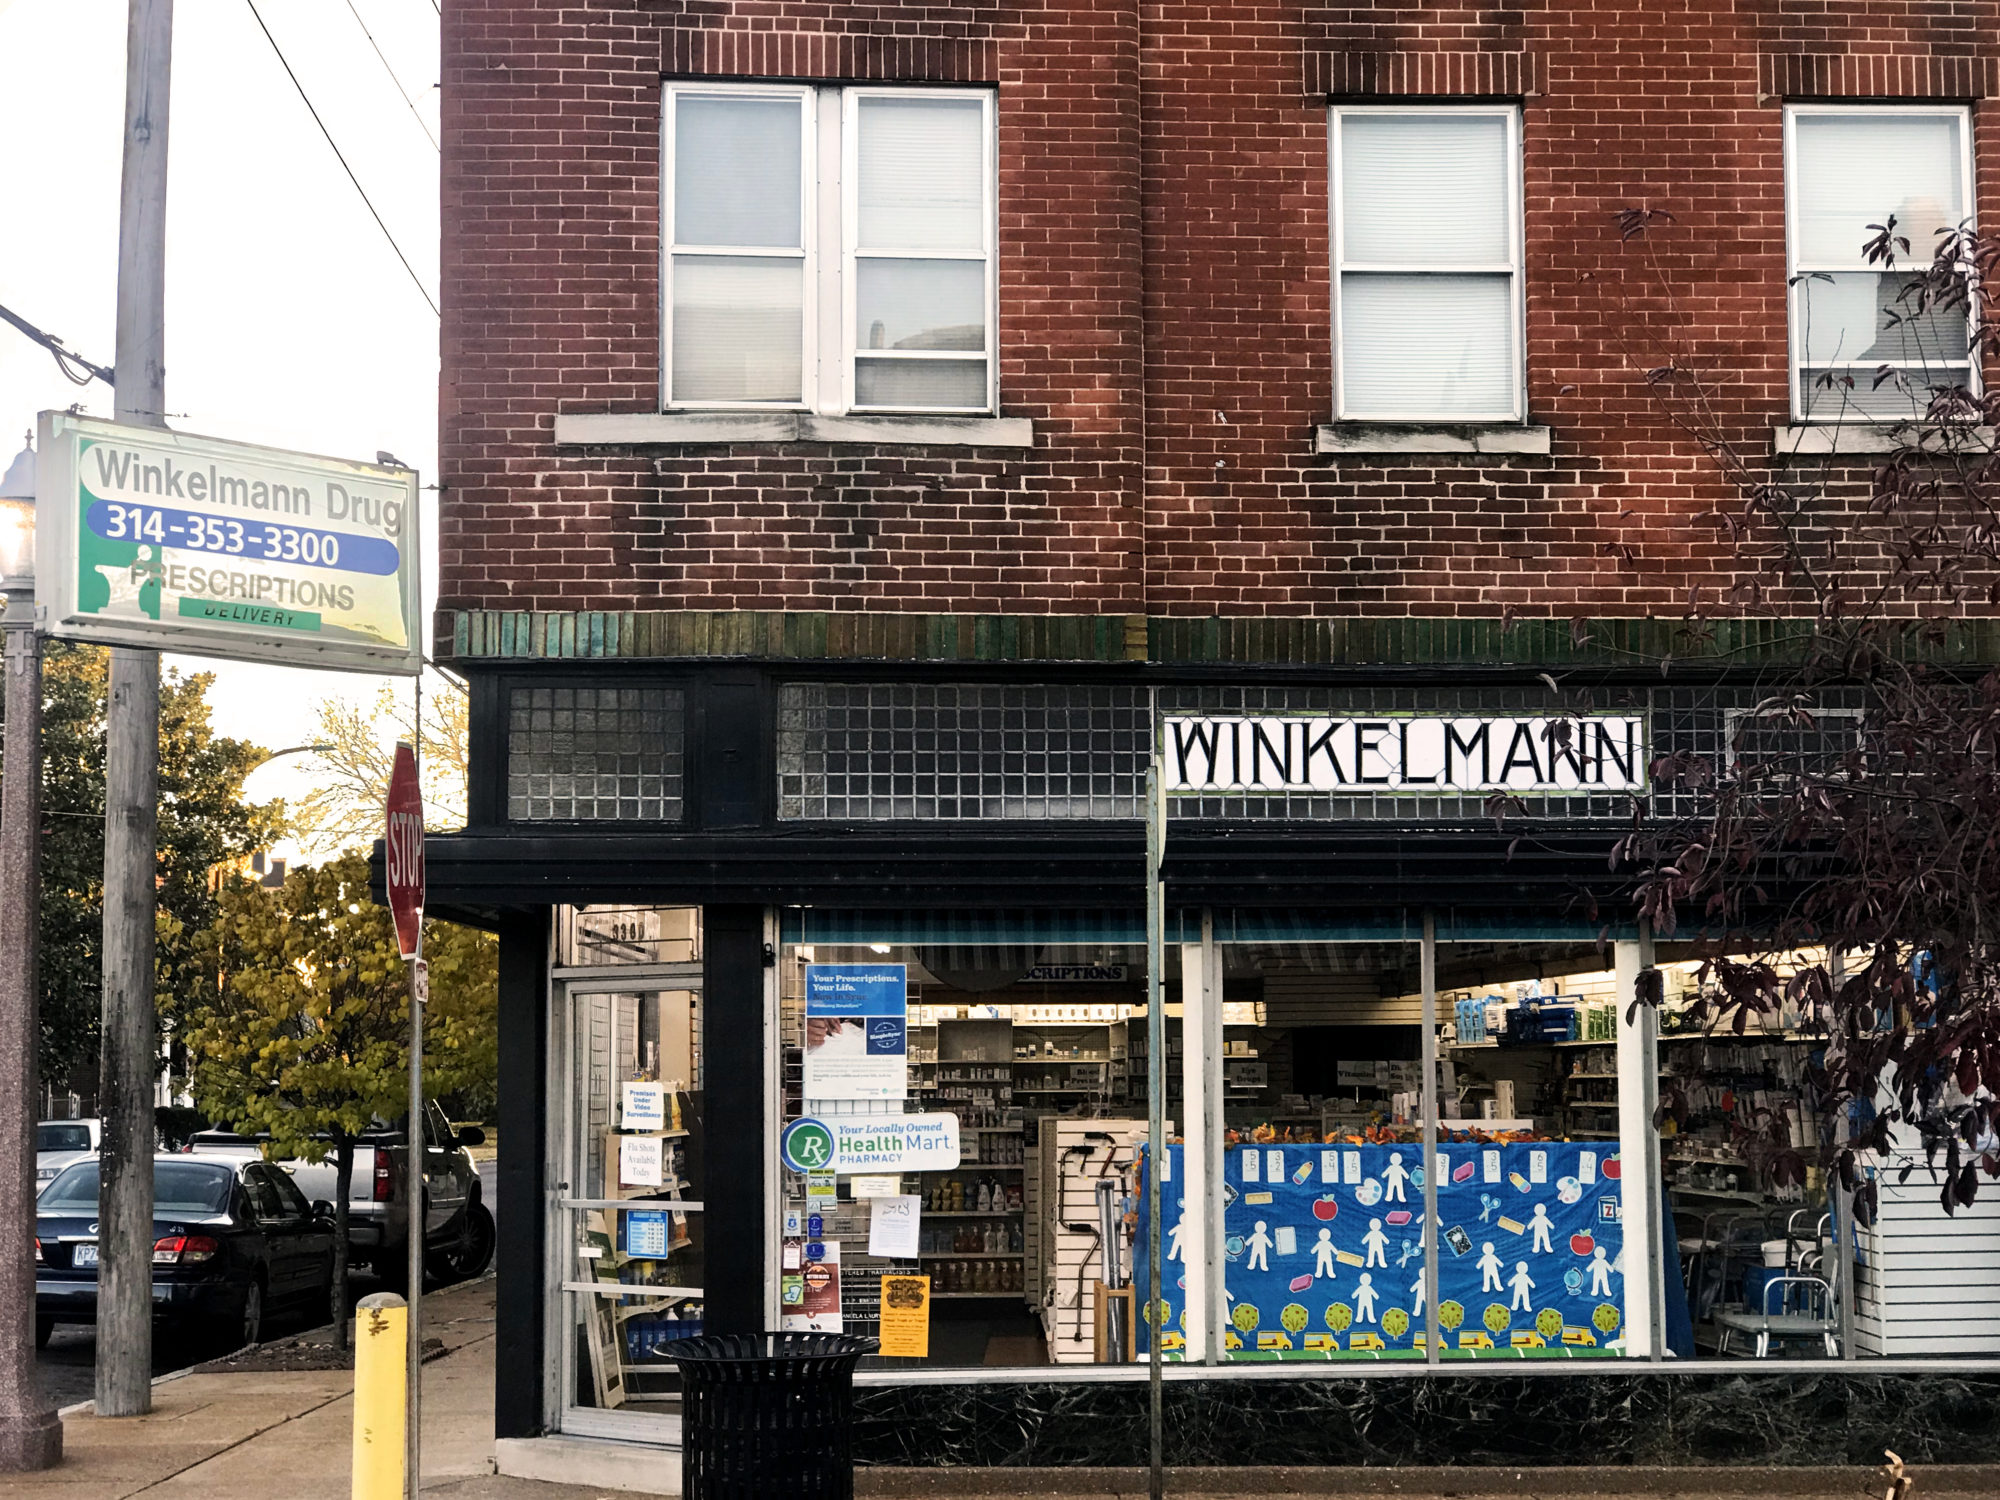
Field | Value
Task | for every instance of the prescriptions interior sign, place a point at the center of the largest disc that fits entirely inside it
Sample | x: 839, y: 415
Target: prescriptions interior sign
x: 1405, y: 754
x: 184, y: 543
x: 856, y: 1031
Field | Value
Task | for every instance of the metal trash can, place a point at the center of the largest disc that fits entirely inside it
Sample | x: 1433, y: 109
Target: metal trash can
x: 767, y: 1416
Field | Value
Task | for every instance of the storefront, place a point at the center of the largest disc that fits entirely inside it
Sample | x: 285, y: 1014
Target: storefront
x: 824, y: 1006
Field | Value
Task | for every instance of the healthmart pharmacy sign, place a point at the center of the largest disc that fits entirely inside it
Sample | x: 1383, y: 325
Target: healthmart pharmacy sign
x: 162, y: 539
x: 871, y: 1143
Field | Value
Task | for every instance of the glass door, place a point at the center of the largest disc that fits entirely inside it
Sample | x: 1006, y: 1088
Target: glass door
x: 628, y: 1245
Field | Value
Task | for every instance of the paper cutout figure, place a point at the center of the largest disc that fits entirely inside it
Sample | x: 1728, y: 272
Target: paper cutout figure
x: 1539, y: 1229
x: 1522, y: 1284
x: 1181, y: 1227
x: 1377, y: 1244
x: 1260, y: 1250
x: 1323, y: 1255
x: 1393, y: 1177
x: 1364, y: 1299
x: 1489, y: 1268
x: 1417, y: 1291
x: 1600, y: 1273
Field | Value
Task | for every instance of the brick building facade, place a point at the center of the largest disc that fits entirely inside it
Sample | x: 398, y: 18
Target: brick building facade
x: 752, y: 629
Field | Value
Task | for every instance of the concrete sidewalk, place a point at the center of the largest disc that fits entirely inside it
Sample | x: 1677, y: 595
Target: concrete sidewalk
x: 264, y: 1435
x: 248, y: 1435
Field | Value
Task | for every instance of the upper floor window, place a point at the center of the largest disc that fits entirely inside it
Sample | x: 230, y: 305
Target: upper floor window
x: 830, y: 249
x: 1427, y: 263
x: 1849, y: 168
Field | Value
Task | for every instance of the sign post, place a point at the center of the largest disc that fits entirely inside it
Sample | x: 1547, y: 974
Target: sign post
x: 403, y: 860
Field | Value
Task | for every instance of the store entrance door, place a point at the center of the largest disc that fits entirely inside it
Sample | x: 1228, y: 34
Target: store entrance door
x: 627, y: 1247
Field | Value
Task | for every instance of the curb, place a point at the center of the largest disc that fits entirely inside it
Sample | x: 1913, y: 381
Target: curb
x: 1468, y: 1481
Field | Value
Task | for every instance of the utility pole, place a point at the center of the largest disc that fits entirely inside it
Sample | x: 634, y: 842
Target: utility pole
x: 30, y: 1432
x: 132, y: 768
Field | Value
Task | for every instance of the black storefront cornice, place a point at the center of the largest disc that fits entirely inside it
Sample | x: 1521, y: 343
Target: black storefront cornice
x: 1043, y: 866
x: 486, y: 639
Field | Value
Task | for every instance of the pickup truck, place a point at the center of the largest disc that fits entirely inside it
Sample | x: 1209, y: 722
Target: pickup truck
x: 458, y: 1228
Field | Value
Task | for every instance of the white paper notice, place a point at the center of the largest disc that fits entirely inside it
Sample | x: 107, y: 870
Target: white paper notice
x: 887, y: 1186
x: 645, y: 1106
x: 892, y: 1226
x: 639, y: 1163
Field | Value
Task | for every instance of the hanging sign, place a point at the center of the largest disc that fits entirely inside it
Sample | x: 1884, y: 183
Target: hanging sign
x: 180, y: 543
x: 1405, y: 754
x: 879, y: 1143
x: 856, y: 1031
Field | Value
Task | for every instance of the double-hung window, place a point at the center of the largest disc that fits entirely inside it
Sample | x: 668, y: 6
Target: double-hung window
x: 1848, y: 168
x: 829, y: 249
x: 1427, y: 263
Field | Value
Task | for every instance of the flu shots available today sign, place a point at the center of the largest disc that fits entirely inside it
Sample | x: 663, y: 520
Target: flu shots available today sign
x: 184, y: 543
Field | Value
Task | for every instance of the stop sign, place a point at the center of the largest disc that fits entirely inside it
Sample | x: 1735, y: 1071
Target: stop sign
x: 403, y: 852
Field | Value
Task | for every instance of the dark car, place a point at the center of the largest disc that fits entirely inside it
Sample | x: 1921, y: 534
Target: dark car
x: 232, y: 1243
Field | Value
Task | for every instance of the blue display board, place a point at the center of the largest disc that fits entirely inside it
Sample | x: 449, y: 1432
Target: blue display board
x: 1324, y: 1258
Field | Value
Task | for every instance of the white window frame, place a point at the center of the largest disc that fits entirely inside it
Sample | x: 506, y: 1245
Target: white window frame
x: 830, y: 220
x: 1802, y: 408
x: 808, y: 216
x: 1515, y: 268
x: 851, y: 251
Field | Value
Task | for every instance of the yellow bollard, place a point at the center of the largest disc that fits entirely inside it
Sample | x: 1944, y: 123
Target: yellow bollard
x: 381, y: 1357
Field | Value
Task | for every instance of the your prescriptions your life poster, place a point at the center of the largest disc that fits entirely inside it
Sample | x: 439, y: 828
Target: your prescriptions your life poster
x: 1323, y: 1251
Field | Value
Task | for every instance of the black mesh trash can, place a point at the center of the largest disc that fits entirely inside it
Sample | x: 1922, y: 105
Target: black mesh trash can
x: 767, y: 1416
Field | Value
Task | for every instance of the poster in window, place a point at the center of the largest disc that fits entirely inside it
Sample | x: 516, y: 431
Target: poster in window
x: 856, y: 1031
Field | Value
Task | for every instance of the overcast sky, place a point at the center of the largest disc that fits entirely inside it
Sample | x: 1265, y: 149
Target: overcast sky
x: 290, y: 321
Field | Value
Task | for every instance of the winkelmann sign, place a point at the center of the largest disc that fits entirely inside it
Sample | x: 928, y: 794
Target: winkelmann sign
x: 1412, y: 754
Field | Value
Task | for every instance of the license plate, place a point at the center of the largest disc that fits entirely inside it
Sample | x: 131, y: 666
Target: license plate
x: 83, y: 1255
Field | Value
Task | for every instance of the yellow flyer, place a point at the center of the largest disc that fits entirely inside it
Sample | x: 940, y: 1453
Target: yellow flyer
x: 906, y: 1316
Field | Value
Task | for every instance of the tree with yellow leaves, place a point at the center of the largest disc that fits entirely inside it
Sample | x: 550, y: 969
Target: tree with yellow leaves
x: 300, y: 1030
x: 351, y: 770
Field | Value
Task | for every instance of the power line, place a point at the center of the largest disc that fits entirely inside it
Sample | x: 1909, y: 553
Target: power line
x: 414, y: 278
x: 76, y: 369
x: 392, y: 76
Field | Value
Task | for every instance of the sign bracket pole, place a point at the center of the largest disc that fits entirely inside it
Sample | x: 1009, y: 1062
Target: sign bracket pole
x: 1156, y: 1085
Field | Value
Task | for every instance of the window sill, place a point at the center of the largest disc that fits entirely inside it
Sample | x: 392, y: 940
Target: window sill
x: 1356, y: 437
x: 631, y: 429
x: 1821, y: 439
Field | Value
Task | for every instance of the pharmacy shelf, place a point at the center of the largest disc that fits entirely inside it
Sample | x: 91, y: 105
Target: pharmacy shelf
x: 973, y: 1255
x: 974, y: 1213
x: 1014, y: 1296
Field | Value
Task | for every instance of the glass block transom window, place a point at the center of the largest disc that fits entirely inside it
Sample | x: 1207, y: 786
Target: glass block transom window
x: 867, y: 751
x: 595, y: 754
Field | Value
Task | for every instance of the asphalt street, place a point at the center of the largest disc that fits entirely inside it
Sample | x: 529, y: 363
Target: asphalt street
x: 68, y: 1365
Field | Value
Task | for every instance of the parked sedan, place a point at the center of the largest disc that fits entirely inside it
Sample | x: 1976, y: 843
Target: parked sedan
x: 232, y: 1242
x: 59, y: 1143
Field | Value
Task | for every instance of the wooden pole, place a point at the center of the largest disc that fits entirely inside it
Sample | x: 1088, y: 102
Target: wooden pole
x: 132, y: 769
x: 30, y: 1434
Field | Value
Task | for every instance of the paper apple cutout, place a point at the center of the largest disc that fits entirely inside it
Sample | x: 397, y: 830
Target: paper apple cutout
x: 1614, y: 1168
x: 1326, y: 1206
x: 1582, y: 1244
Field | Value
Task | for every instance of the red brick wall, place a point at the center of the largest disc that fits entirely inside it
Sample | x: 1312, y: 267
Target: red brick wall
x: 1204, y: 128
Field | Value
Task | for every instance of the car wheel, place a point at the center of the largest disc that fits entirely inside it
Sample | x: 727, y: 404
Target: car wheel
x: 44, y: 1328
x: 250, y: 1326
x: 473, y: 1252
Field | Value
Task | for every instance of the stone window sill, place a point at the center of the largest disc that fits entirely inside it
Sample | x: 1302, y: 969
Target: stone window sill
x: 1496, y: 438
x: 673, y: 428
x: 1821, y: 439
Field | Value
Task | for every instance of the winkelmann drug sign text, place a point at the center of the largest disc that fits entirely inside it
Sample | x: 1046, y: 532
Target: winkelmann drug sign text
x: 1413, y: 754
